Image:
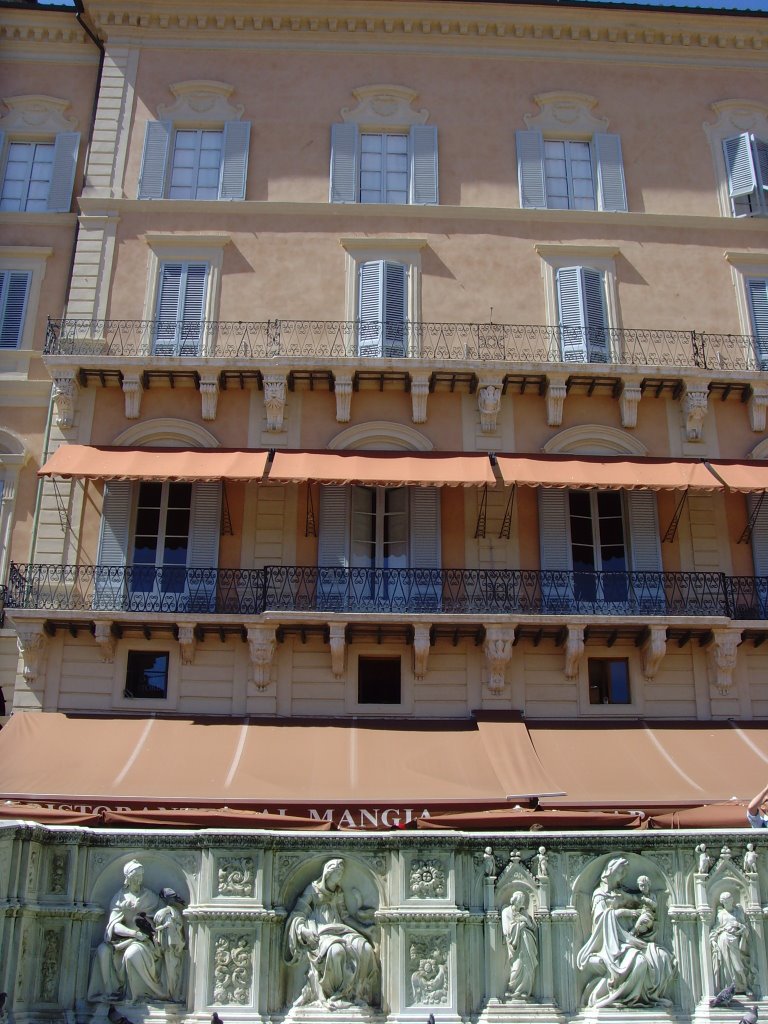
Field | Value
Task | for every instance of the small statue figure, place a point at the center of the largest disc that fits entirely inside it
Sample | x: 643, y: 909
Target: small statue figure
x: 489, y: 862
x: 519, y: 931
x: 540, y: 863
x: 704, y: 860
x: 169, y: 935
x: 725, y: 853
x: 729, y: 942
x: 750, y: 859
x: 645, y: 925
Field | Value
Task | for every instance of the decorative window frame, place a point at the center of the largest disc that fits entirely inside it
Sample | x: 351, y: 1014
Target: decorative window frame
x: 636, y: 705
x: 33, y: 260
x: 733, y: 118
x: 566, y: 115
x: 381, y: 435
x: 594, y: 439
x: 400, y: 250
x: 601, y: 258
x: 34, y: 118
x: 166, y: 432
x: 200, y: 103
x: 145, y: 704
x: 13, y: 457
x: 384, y: 108
x: 744, y: 265
x: 351, y: 705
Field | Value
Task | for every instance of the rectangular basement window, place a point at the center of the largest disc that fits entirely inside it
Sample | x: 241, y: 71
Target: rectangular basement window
x: 146, y: 675
x: 378, y: 680
x: 609, y: 681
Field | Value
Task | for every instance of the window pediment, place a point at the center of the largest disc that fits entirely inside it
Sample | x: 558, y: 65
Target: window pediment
x: 384, y: 106
x: 594, y: 439
x: 201, y: 103
x: 736, y: 116
x: 36, y: 116
x: 566, y: 115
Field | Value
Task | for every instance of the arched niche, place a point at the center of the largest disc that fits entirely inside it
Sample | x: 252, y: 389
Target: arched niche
x: 594, y: 439
x: 381, y: 435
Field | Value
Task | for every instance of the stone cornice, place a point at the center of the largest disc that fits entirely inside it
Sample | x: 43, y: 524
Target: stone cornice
x: 441, y: 24
x: 53, y: 33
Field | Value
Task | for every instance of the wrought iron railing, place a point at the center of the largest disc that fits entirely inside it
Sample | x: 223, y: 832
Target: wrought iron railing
x: 339, y: 339
x: 145, y: 590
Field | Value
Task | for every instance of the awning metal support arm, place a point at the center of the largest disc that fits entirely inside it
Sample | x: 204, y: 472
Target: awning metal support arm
x: 506, y: 523
x: 671, y: 532
x: 482, y: 514
x: 746, y: 535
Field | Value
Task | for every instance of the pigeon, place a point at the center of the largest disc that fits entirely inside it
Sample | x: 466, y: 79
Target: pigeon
x: 145, y: 925
x: 724, y: 997
x: 115, y: 1017
x: 431, y: 1019
x: 168, y: 895
x: 750, y: 1016
x: 216, y: 1019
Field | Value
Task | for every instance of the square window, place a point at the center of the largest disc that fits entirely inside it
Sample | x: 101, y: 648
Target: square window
x: 609, y: 681
x: 378, y: 681
x: 146, y: 675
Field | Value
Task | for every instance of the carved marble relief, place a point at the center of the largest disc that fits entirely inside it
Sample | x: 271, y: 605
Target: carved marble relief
x: 731, y: 946
x: 57, y: 874
x: 50, y: 965
x: 232, y: 970
x: 235, y: 876
x: 519, y: 931
x: 427, y: 879
x: 428, y: 957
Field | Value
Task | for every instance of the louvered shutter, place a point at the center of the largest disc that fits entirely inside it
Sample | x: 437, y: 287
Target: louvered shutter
x: 554, y: 548
x: 14, y: 291
x: 757, y: 295
x: 333, y: 548
x: 739, y: 165
x: 531, y: 177
x: 424, y: 555
x: 395, y: 310
x: 611, y: 188
x: 345, y: 164
x: 193, y: 309
x: 154, y: 161
x: 573, y: 338
x: 755, y: 605
x: 761, y: 162
x: 203, y: 558
x: 423, y: 160
x: 109, y: 575
x: 167, y: 320
x: 370, y: 308
x: 234, y: 160
x: 63, y: 172
x: 594, y: 315
x: 645, y: 552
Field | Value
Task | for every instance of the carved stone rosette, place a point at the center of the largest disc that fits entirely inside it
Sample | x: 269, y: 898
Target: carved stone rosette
x: 235, y: 876
x: 427, y: 879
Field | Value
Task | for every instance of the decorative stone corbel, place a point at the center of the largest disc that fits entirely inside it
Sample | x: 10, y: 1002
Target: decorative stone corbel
x: 105, y: 640
x: 555, y: 397
x: 419, y: 393
x: 421, y: 645
x: 498, y: 653
x: 695, y: 402
x: 338, y: 643
x: 32, y: 644
x: 629, y: 399
x: 721, y: 654
x: 489, y: 403
x: 187, y: 642
x: 65, y: 397
x: 209, y: 396
x: 653, y: 650
x: 133, y: 389
x: 274, y: 402
x: 343, y: 390
x: 574, y: 651
x: 757, y: 404
x: 262, y: 643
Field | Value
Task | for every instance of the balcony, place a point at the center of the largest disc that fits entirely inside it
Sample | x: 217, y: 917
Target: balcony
x: 93, y: 341
x: 450, y: 593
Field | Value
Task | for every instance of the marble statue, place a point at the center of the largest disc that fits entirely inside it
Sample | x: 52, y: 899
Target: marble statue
x: 646, y: 924
x: 622, y: 968
x: 489, y: 862
x: 519, y: 933
x: 750, y: 859
x: 703, y: 860
x: 729, y: 944
x: 540, y: 863
x: 130, y: 963
x: 169, y: 935
x: 343, y: 969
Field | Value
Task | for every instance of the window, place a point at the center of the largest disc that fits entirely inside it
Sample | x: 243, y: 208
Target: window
x: 378, y: 680
x: 39, y: 176
x: 582, y: 319
x: 568, y: 169
x: 179, y: 320
x: 187, y: 163
x: 14, y: 293
x: 161, y: 537
x: 746, y: 164
x: 382, y: 309
x: 608, y: 680
x: 757, y: 298
x: 383, y: 167
x: 570, y: 174
x: 196, y: 165
x: 597, y: 544
x: 146, y: 675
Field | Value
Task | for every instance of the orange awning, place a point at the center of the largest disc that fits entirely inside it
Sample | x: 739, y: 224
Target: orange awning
x: 390, y: 468
x: 742, y: 476
x: 588, y: 471
x: 106, y: 463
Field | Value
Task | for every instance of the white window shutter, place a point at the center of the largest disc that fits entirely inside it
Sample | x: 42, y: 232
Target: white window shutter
x: 761, y: 161
x: 193, y: 309
x: 109, y: 574
x: 594, y: 315
x: 154, y: 161
x: 611, y: 188
x: 234, y: 160
x: 759, y: 533
x: 757, y: 295
x: 571, y: 314
x: 167, y: 317
x: 370, y: 308
x: 554, y: 549
x: 63, y: 171
x: 203, y: 557
x: 345, y: 164
x: 644, y: 539
x: 423, y: 159
x: 395, y: 309
x: 531, y: 177
x: 425, y: 542
x: 14, y: 291
x: 739, y: 165
x: 333, y: 547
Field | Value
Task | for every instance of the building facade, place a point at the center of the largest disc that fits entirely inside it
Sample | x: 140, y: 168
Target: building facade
x: 390, y: 436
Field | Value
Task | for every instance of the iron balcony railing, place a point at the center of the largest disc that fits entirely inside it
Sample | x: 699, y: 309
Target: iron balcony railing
x: 239, y: 592
x: 340, y: 339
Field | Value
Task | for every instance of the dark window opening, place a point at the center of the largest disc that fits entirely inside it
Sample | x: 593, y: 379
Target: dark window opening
x: 146, y: 674
x: 2, y: 702
x: 378, y: 680
x: 608, y: 681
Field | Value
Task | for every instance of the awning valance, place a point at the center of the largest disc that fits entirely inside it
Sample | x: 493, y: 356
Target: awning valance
x: 606, y: 472
x: 115, y: 463
x: 390, y: 468
x: 746, y: 476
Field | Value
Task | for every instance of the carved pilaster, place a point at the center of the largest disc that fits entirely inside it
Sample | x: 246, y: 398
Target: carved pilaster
x: 695, y: 404
x: 32, y: 643
x: 65, y: 397
x: 421, y: 646
x: 555, y: 397
x: 721, y: 655
x: 133, y: 391
x: 653, y: 650
x: 419, y: 393
x: 274, y: 401
x: 209, y: 397
x: 758, y: 403
x: 498, y: 653
x: 105, y: 640
x: 343, y: 390
x: 574, y: 651
x: 261, y: 643
x: 338, y: 643
x: 629, y: 399
x: 187, y: 643
x: 489, y: 403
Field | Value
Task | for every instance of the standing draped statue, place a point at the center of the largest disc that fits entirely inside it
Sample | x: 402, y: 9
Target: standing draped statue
x: 729, y: 943
x: 519, y: 933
